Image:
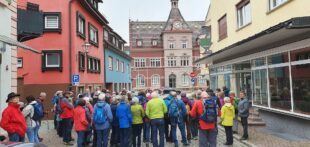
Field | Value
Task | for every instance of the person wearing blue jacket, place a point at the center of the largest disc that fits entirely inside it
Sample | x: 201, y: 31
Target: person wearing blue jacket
x: 177, y: 120
x: 102, y: 129
x: 123, y: 113
x: 168, y: 134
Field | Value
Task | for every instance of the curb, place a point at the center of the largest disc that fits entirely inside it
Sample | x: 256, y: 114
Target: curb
x: 247, y: 143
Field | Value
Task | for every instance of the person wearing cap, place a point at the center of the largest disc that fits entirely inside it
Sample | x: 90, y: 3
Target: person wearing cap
x: 137, y: 121
x: 67, y: 118
x: 115, y: 136
x: 123, y: 112
x: 13, y: 120
x: 155, y: 111
x: 207, y: 131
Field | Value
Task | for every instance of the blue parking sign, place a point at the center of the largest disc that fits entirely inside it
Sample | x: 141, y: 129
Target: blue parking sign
x: 75, y: 80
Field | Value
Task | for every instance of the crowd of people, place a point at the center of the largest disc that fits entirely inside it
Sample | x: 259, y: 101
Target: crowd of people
x: 125, y: 119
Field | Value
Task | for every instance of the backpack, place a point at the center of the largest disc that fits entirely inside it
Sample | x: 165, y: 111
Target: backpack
x: 209, y: 115
x: 58, y: 108
x: 100, y: 115
x: 38, y: 112
x: 173, y: 109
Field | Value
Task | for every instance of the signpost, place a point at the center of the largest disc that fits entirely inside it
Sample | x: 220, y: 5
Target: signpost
x: 75, y: 80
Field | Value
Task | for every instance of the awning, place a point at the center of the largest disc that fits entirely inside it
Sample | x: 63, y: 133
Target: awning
x: 287, y: 32
x: 12, y: 42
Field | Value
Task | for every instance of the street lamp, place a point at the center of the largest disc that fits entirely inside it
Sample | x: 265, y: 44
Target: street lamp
x: 86, y: 47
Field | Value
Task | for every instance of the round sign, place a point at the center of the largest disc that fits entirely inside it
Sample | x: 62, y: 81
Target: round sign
x: 193, y: 74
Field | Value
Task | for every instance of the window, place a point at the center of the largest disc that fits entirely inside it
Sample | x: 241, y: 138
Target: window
x: 122, y: 66
x: 222, y: 27
x: 110, y: 63
x: 172, y: 81
x: 139, y: 43
x: 155, y: 62
x: 93, y: 65
x: 52, y: 22
x: 172, y: 45
x: 275, y: 3
x: 154, y: 43
x: 81, y: 61
x: 52, y: 60
x: 184, y: 44
x: 172, y: 61
x: 117, y: 65
x: 185, y: 61
x: 128, y: 68
x: 80, y: 25
x: 140, y: 62
x: 260, y: 87
x: 106, y: 35
x: 94, y: 3
x: 185, y: 79
x: 244, y: 13
x: 140, y: 81
x: 155, y: 80
x: 93, y: 35
x: 19, y: 62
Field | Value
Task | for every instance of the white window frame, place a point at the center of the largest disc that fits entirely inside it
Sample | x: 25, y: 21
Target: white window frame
x: 117, y: 65
x: 122, y: 66
x: 139, y: 62
x: 155, y: 62
x: 110, y: 63
x: 154, y: 43
x: 273, y: 4
x: 171, y: 44
x: 185, y: 79
x: 244, y: 15
x: 172, y: 61
x: 184, y: 44
x: 106, y: 35
x: 184, y: 61
x: 93, y: 33
x: 19, y: 63
x: 50, y: 17
x: 81, y: 25
x: 139, y: 43
x: 155, y: 80
x: 46, y: 59
x: 140, y: 81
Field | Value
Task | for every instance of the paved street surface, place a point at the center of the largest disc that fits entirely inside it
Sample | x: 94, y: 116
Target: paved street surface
x: 52, y: 140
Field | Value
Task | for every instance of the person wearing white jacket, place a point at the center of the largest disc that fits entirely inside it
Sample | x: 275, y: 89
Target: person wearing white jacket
x: 28, y: 113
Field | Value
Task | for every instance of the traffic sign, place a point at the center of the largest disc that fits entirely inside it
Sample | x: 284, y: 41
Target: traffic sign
x: 193, y: 74
x: 75, y: 80
x: 193, y: 79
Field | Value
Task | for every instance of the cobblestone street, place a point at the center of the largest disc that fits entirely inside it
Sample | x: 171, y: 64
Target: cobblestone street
x: 52, y: 140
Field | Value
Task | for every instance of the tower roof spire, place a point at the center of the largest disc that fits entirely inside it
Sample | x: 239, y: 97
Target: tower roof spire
x: 174, y: 3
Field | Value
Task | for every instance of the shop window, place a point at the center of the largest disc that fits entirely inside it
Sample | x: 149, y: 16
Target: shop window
x: 278, y: 58
x: 260, y: 87
x: 280, y: 88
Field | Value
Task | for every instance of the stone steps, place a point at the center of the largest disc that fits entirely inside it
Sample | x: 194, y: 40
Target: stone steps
x: 254, y: 118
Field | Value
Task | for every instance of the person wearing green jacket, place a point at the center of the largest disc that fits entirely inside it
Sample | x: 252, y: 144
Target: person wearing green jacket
x: 137, y: 122
x: 227, y: 117
x: 155, y: 111
x: 234, y: 101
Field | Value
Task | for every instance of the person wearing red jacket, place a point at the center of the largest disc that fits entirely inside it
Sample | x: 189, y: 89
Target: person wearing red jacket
x: 207, y: 131
x: 13, y: 120
x: 80, y: 122
x: 67, y: 118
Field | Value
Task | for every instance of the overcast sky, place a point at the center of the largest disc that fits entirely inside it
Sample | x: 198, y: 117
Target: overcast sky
x: 118, y: 12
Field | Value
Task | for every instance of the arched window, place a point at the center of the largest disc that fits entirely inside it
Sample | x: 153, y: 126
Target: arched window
x: 155, y: 80
x: 172, y: 81
x: 185, y: 79
x: 140, y: 82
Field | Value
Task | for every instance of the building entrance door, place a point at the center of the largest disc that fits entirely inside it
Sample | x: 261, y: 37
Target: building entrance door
x: 172, y: 81
x: 244, y: 83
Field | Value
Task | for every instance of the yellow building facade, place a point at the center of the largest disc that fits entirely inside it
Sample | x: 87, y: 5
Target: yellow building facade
x: 262, y: 47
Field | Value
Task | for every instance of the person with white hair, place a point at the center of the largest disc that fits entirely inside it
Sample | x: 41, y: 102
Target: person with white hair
x: 102, y: 117
x: 234, y: 101
x: 155, y: 111
x: 137, y: 122
x: 89, y: 112
x: 123, y: 112
x: 227, y: 116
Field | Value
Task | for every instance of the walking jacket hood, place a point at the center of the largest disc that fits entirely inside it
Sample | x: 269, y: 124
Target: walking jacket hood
x: 228, y: 114
x: 13, y: 120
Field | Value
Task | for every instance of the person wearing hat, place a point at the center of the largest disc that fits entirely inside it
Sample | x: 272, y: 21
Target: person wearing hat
x: 13, y: 120
x: 67, y: 118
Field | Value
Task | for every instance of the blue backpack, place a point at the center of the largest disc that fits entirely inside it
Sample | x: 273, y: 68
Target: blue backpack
x: 173, y: 109
x: 38, y: 112
x: 209, y: 115
x: 100, y: 115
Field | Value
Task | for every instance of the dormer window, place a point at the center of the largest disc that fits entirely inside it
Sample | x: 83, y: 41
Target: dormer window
x: 139, y: 43
x: 154, y: 43
x: 94, y: 3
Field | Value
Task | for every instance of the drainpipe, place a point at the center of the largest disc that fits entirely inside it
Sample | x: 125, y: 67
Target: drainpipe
x: 70, y: 44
